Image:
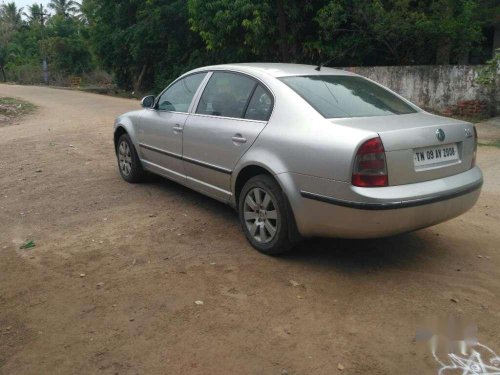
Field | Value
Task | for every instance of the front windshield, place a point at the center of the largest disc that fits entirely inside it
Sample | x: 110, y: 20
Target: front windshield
x: 347, y: 96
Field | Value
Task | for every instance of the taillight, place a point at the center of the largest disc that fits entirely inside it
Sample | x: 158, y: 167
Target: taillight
x: 370, y: 167
x: 475, y: 148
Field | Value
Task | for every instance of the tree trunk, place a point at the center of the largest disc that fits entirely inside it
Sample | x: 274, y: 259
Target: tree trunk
x: 443, y: 52
x: 138, y: 82
x: 283, y: 38
x: 496, y: 38
x: 463, y: 58
x: 3, y: 73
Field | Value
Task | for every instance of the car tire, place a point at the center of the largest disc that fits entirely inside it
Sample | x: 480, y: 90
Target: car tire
x: 266, y: 216
x: 129, y: 165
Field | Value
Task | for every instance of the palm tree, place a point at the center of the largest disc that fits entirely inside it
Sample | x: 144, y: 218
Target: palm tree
x: 65, y: 7
x: 10, y: 21
x: 36, y: 14
x: 11, y: 15
x: 33, y: 13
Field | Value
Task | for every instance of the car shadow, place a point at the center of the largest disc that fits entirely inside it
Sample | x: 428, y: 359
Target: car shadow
x: 189, y: 196
x: 354, y: 256
x: 346, y: 255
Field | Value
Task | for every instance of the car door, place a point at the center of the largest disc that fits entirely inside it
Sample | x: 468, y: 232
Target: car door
x: 231, y: 112
x: 161, y: 127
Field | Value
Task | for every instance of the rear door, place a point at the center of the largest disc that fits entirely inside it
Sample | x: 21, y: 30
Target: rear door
x: 232, y: 111
x: 160, y: 129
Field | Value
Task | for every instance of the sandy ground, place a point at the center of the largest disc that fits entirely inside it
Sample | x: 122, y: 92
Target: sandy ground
x: 149, y: 251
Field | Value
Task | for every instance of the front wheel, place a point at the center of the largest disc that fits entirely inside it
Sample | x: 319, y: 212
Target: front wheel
x: 264, y: 215
x: 128, y: 162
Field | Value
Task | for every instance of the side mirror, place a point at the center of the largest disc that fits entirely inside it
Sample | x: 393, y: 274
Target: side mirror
x: 148, y: 101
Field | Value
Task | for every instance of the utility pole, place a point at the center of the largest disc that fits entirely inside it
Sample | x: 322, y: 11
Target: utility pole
x: 45, y: 66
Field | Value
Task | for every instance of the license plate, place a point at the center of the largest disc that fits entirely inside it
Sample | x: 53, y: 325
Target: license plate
x: 435, y: 155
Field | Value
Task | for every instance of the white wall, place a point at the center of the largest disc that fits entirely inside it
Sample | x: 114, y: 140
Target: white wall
x: 435, y: 87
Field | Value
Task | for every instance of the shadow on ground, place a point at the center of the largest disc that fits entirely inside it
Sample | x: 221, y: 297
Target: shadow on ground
x: 344, y: 255
x: 353, y: 256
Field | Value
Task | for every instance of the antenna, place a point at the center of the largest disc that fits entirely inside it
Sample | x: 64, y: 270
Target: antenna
x: 318, y: 68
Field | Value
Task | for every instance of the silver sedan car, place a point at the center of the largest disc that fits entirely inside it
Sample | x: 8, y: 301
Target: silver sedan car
x: 301, y: 151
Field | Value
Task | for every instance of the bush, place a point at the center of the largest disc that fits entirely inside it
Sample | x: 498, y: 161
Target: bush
x: 26, y: 74
x: 490, y: 73
x: 97, y: 78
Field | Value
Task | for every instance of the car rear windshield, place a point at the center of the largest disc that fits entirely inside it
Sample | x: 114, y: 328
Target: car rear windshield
x: 347, y: 96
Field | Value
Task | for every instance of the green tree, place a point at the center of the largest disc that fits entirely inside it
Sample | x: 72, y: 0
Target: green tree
x: 489, y: 74
x: 455, y: 28
x: 10, y: 23
x: 234, y: 30
x: 144, y: 43
x: 33, y: 13
x: 11, y: 15
x: 398, y: 31
x: 60, y: 38
x: 357, y: 31
x: 347, y: 31
x: 268, y: 30
x: 66, y: 49
x: 147, y: 43
x: 65, y: 8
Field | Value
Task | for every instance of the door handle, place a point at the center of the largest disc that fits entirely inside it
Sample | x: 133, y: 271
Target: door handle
x: 238, y: 138
x: 177, y: 128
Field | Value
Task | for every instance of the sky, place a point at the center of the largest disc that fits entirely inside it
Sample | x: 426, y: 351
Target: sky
x: 23, y: 3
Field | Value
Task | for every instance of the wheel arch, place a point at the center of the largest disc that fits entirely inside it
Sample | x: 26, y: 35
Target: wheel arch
x: 119, y: 131
x: 250, y: 168
x: 125, y: 125
x: 245, y: 174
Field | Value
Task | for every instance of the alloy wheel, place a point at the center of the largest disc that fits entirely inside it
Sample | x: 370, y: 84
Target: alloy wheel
x: 125, y: 158
x: 260, y: 215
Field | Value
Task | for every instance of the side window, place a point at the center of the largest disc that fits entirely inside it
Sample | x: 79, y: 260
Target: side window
x: 178, y: 97
x: 226, y: 94
x: 260, y: 105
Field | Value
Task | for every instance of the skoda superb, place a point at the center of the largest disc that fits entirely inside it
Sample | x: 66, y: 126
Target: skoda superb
x: 301, y: 151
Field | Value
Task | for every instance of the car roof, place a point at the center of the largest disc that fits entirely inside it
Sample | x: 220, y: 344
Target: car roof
x: 278, y: 69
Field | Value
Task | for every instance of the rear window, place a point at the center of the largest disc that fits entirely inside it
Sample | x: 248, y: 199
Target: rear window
x: 347, y: 96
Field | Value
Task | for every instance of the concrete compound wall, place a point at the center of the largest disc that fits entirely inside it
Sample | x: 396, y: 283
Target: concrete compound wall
x: 448, y: 89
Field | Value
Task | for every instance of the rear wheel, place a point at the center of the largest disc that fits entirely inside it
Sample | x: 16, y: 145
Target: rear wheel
x: 264, y: 215
x: 128, y: 162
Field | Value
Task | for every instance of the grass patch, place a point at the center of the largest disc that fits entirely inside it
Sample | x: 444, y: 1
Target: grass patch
x: 11, y: 108
x: 19, y: 106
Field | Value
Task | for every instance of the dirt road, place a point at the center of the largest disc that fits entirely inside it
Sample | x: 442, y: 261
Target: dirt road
x: 110, y: 287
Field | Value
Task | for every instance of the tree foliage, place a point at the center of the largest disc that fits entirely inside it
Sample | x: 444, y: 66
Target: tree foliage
x: 11, y: 15
x: 64, y: 46
x: 142, y: 42
x: 489, y: 74
x: 271, y: 30
x: 26, y: 41
x: 64, y: 8
x: 147, y: 43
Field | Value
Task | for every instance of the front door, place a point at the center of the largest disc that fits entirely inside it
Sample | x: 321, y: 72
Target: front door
x: 231, y: 113
x: 161, y: 127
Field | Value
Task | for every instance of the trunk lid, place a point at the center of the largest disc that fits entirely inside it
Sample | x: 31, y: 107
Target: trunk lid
x: 415, y: 148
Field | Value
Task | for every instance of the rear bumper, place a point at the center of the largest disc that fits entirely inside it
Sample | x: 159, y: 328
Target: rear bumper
x: 335, y: 209
x: 392, y: 205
